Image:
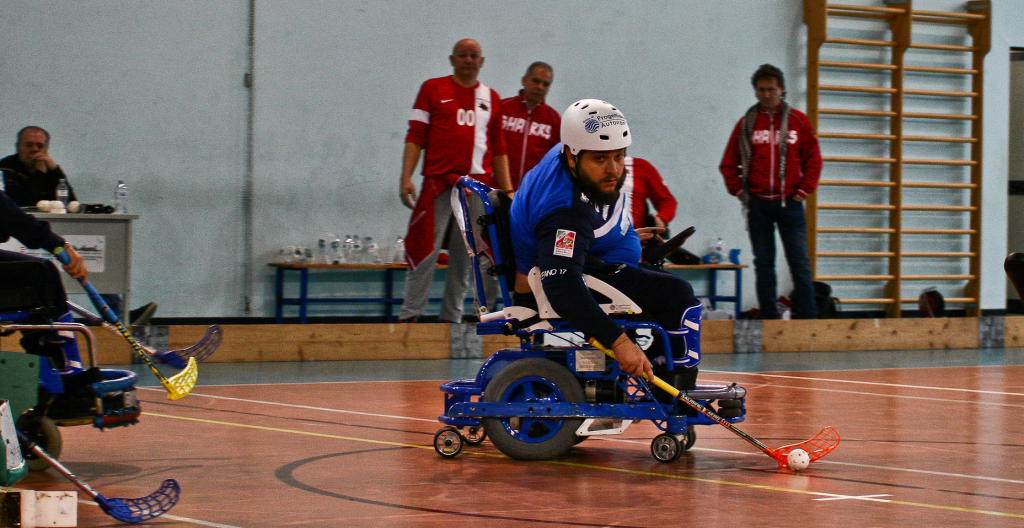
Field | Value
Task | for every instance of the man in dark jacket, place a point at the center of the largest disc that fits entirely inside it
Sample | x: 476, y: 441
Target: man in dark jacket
x: 31, y: 175
x: 772, y: 163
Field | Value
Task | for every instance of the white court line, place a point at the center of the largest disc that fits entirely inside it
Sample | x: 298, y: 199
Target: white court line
x: 174, y: 517
x: 295, y: 406
x: 874, y: 498
x: 833, y: 462
x: 874, y: 383
x: 398, y: 417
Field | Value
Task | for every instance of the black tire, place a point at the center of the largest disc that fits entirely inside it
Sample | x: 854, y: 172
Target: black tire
x: 734, y: 404
x: 666, y: 448
x: 45, y: 434
x: 532, y: 380
x: 474, y: 435
x: 691, y: 438
x: 448, y: 442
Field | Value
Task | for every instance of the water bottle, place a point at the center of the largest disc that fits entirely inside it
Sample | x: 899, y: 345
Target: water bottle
x: 121, y: 198
x: 357, y: 250
x: 372, y: 252
x: 62, y: 192
x: 719, y: 251
x: 398, y: 251
x: 322, y: 244
x: 337, y: 251
x: 346, y: 248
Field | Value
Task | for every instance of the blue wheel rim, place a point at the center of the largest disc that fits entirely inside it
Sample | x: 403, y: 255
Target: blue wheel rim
x: 539, y: 390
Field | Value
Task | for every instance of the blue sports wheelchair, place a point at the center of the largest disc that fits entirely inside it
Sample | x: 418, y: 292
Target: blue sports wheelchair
x: 51, y: 386
x: 536, y: 401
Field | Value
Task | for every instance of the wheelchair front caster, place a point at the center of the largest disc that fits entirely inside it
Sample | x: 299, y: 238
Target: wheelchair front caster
x: 666, y: 447
x: 691, y: 438
x: 448, y: 442
x: 474, y: 435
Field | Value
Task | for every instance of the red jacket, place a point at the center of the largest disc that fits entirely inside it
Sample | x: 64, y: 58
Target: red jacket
x: 460, y: 132
x: 458, y: 127
x: 644, y: 183
x: 803, y: 158
x: 529, y: 134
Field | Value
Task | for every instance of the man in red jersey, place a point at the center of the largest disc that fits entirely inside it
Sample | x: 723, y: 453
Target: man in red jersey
x: 643, y: 183
x: 455, y: 125
x: 530, y: 126
x: 772, y: 163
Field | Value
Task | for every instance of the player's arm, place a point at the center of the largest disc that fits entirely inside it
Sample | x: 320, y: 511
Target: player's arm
x: 561, y: 265
x: 659, y: 195
x: 731, y: 165
x: 501, y: 175
x: 406, y: 188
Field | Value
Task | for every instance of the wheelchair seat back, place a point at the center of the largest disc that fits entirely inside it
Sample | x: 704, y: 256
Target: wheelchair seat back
x: 30, y: 289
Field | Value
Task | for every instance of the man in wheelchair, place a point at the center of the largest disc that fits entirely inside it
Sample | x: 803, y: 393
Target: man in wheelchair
x: 31, y: 285
x: 568, y: 218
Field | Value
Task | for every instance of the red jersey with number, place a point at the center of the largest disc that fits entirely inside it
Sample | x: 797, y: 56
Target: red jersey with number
x: 458, y: 127
x: 529, y: 134
x: 643, y: 182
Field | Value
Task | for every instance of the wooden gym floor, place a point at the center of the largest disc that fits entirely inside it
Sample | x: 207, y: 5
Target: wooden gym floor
x: 929, y: 438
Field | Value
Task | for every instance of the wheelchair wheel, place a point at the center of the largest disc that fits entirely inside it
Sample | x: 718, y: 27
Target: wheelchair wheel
x: 533, y: 380
x: 691, y: 438
x: 474, y: 435
x: 44, y: 433
x: 666, y: 447
x: 448, y: 442
x: 730, y: 408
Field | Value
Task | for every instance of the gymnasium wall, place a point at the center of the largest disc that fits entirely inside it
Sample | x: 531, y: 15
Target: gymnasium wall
x: 152, y: 92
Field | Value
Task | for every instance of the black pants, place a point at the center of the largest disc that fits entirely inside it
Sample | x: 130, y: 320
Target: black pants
x: 661, y: 296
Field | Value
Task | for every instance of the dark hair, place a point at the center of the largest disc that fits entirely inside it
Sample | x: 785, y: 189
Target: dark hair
x: 539, y: 64
x: 31, y: 127
x: 767, y: 71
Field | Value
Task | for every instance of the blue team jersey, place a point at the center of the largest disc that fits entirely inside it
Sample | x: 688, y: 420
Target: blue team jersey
x: 548, y: 196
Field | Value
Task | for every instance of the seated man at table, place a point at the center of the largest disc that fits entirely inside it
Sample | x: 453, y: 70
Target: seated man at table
x: 568, y: 218
x: 31, y: 175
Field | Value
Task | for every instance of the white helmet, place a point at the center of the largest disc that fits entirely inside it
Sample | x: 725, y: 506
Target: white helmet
x: 592, y: 124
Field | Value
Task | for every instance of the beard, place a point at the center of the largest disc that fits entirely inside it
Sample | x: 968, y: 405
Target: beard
x: 594, y: 192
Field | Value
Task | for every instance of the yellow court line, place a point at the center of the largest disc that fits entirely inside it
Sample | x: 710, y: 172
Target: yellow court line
x: 587, y: 466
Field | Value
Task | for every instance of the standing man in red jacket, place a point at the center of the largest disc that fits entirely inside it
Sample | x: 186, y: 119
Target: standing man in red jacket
x: 455, y: 122
x: 772, y: 163
x: 531, y: 127
x: 643, y: 183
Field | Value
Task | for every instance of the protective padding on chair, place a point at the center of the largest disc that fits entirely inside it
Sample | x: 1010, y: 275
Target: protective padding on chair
x: 31, y: 286
x: 19, y: 380
x: 686, y: 340
x: 12, y: 466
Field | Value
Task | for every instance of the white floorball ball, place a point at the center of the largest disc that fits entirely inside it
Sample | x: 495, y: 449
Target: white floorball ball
x: 798, y: 459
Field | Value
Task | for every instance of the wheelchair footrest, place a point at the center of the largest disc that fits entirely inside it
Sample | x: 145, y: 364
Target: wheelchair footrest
x: 467, y: 387
x: 717, y: 392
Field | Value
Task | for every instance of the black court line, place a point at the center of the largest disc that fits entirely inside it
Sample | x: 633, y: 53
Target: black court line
x: 285, y: 475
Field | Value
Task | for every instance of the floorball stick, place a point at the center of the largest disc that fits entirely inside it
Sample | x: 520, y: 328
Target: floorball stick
x: 179, y: 385
x: 125, y: 510
x: 201, y: 350
x: 816, y: 447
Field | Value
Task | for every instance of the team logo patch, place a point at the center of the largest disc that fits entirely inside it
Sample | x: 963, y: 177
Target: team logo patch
x: 565, y: 242
x: 591, y: 125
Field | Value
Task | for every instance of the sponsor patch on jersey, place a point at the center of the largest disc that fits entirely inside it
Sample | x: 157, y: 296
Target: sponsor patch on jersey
x: 565, y: 242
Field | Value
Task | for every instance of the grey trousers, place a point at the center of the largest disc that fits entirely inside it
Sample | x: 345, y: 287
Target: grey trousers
x: 418, y: 281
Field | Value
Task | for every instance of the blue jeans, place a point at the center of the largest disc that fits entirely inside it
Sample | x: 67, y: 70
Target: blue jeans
x: 764, y: 215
